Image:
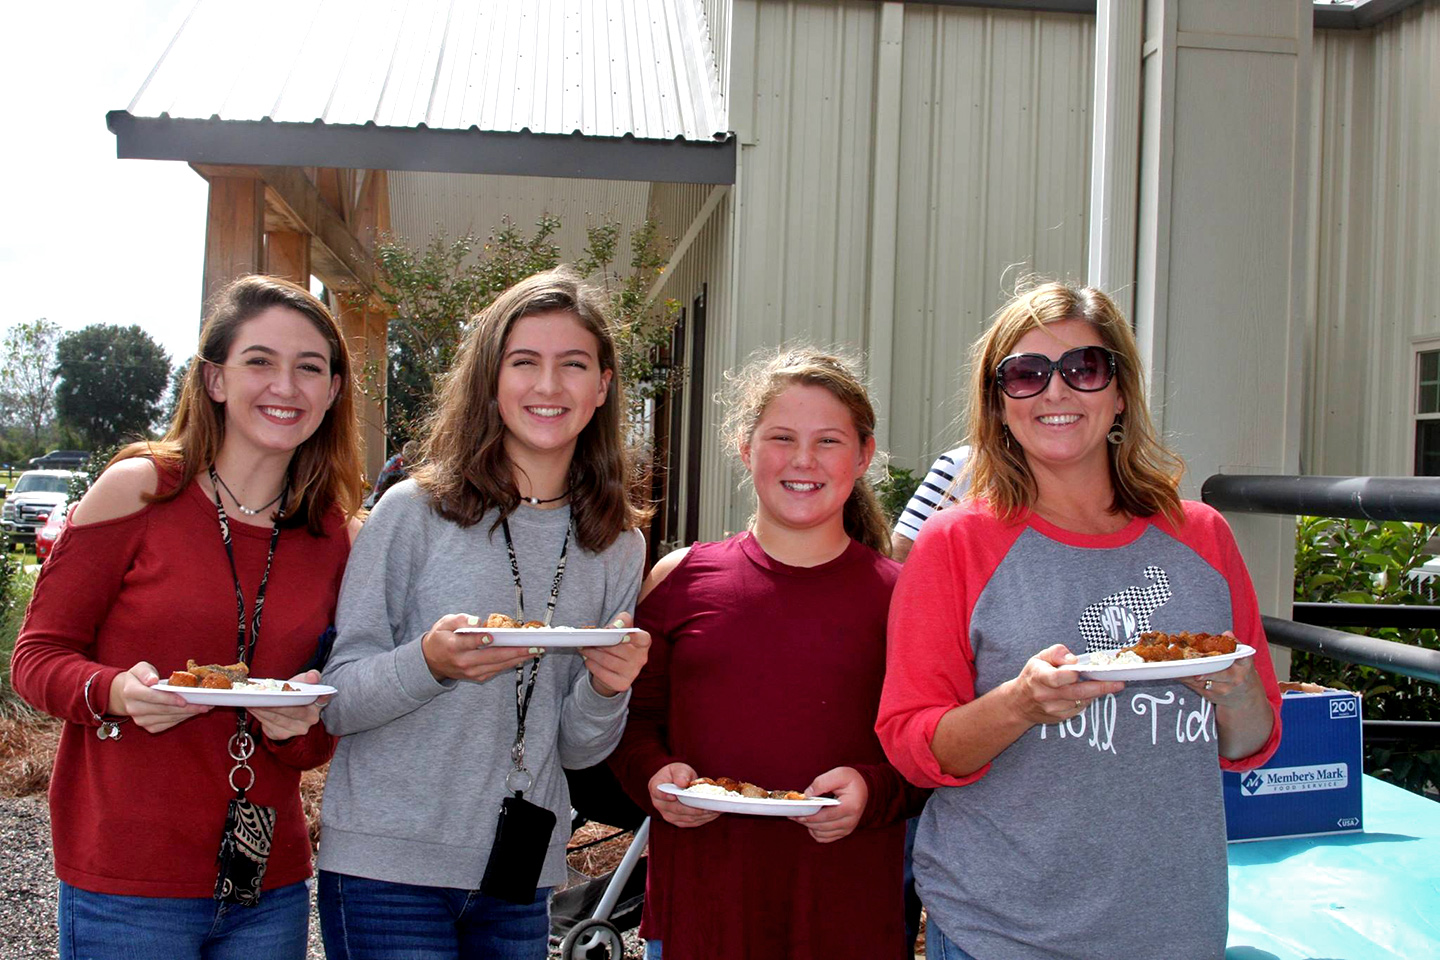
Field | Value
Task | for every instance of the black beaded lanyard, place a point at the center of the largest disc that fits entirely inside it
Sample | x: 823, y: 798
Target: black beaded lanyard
x: 519, y: 778
x: 242, y: 745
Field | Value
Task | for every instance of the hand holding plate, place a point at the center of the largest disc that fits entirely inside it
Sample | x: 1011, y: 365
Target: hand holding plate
x: 671, y: 809
x: 153, y: 711
x: 833, y: 823
x: 1044, y: 694
x: 467, y: 656
x: 613, y: 669
x: 282, y: 723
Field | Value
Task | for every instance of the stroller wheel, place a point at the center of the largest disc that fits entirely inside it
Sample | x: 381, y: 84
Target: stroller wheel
x: 593, y: 940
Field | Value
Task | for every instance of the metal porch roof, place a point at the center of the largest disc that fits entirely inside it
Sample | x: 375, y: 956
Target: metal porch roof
x: 291, y: 80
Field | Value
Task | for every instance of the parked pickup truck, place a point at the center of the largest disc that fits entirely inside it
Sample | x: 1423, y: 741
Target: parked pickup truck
x: 28, y: 505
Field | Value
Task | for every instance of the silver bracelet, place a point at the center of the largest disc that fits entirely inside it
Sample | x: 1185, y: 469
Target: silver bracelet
x: 109, y: 729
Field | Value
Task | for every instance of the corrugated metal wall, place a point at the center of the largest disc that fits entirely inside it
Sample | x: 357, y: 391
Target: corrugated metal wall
x: 423, y: 204
x: 994, y: 120
x: 706, y: 266
x: 1376, y: 209
x: 994, y: 184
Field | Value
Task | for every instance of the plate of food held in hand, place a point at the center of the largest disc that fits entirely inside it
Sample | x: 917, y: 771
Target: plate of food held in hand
x: 509, y: 632
x: 230, y: 685
x: 1163, y: 656
x: 724, y: 795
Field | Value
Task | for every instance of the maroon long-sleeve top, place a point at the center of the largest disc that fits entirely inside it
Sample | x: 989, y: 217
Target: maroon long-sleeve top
x: 142, y: 815
x: 772, y: 674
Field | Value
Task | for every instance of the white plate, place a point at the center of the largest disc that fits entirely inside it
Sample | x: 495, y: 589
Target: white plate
x: 248, y: 697
x: 552, y: 637
x: 1160, y: 670
x: 751, y: 805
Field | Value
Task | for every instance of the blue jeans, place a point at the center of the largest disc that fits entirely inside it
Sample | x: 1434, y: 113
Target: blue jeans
x: 654, y: 950
x: 940, y: 947
x: 107, y: 926
x: 363, y: 919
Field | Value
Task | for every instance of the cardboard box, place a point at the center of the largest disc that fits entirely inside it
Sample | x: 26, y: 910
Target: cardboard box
x: 1312, y: 784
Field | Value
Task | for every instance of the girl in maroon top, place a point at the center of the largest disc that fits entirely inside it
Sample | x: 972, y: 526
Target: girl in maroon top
x: 250, y: 493
x: 766, y: 664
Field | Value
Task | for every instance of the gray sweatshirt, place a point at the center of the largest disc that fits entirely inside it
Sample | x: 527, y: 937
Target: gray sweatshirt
x: 414, y: 791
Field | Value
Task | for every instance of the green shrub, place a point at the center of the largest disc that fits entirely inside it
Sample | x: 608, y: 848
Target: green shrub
x: 896, y: 490
x: 14, y: 598
x: 1358, y: 561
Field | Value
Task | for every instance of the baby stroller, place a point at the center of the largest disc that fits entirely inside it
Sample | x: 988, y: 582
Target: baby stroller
x: 589, y: 914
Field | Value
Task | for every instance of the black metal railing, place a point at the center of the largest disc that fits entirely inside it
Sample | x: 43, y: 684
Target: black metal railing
x: 1356, y: 498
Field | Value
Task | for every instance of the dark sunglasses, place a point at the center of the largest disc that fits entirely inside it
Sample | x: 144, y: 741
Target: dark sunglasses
x: 1086, y: 369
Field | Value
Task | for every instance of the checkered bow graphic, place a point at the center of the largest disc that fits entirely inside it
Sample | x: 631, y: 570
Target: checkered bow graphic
x: 1119, y: 619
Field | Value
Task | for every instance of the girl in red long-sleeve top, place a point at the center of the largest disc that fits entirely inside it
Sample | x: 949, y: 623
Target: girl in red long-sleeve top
x: 225, y: 541
x: 766, y: 665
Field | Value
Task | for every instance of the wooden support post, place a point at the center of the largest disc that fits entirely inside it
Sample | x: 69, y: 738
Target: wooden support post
x: 364, y: 329
x: 234, y: 231
x: 287, y: 254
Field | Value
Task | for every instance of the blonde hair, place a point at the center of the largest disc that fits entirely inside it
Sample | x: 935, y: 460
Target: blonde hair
x: 465, y: 468
x: 1145, y: 473
x: 324, y: 471
x: 770, y: 373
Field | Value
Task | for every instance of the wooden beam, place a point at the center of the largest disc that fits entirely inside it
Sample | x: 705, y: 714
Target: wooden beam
x: 370, y: 219
x: 364, y: 331
x: 234, y: 232
x: 287, y: 254
x: 337, y: 257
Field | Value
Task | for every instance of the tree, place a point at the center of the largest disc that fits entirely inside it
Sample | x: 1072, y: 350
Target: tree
x: 172, y: 399
x: 111, y: 382
x: 27, y: 379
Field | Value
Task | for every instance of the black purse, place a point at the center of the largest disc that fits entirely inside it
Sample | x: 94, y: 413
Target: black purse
x: 244, y: 851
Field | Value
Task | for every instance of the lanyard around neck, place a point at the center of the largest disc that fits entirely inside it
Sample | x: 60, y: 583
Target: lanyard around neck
x: 245, y: 648
x: 519, y: 778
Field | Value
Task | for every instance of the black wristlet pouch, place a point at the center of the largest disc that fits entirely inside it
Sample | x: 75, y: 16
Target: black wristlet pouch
x: 522, y: 838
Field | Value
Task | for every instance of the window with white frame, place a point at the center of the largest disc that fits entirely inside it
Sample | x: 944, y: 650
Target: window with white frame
x: 1427, y: 409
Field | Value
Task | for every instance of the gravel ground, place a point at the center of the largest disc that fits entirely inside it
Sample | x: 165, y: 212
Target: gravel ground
x: 28, y: 888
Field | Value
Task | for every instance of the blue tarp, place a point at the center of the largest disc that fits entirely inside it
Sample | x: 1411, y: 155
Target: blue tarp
x: 1351, y: 896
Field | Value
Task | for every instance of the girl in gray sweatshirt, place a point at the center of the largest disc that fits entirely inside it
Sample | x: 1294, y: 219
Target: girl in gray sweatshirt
x: 519, y: 508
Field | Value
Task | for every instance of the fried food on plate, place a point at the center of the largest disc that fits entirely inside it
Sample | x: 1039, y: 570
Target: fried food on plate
x: 746, y: 789
x: 1155, y: 646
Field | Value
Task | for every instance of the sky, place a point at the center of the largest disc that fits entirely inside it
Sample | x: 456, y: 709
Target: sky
x: 88, y: 238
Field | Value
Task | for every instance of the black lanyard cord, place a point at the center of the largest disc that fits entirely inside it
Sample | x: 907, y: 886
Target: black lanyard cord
x: 525, y: 687
x: 242, y: 745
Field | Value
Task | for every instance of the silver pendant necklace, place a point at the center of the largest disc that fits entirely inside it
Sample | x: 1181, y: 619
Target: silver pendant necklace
x: 536, y: 501
x: 244, y: 509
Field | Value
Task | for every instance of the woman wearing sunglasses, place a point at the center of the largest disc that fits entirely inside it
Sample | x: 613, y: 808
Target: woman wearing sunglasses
x: 1061, y: 802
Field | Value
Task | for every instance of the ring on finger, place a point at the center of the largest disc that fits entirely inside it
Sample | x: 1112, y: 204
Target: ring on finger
x: 1209, y: 685
x: 1079, y: 705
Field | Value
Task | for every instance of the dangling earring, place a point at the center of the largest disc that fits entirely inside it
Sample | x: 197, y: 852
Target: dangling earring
x: 1117, y: 432
x: 1005, y: 431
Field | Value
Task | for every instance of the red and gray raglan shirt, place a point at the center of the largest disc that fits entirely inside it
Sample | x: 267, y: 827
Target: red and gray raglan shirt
x: 1103, y: 836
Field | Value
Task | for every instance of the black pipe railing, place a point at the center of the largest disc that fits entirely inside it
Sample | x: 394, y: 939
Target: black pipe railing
x: 1403, y: 616
x: 1357, y: 498
x: 1402, y: 658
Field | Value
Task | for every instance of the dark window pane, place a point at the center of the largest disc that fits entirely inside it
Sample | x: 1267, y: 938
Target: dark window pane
x: 1428, y: 400
x: 1427, y: 448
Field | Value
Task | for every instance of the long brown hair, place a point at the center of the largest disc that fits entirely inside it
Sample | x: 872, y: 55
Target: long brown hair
x: 770, y: 373
x: 466, y: 470
x: 324, y: 471
x: 1145, y: 474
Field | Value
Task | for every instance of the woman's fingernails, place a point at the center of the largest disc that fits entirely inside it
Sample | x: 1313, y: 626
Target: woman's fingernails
x: 537, y: 650
x: 619, y: 622
x: 625, y: 639
x: 486, y: 640
x: 472, y: 620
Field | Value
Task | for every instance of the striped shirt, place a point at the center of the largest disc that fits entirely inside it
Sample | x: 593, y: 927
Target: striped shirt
x: 933, y: 493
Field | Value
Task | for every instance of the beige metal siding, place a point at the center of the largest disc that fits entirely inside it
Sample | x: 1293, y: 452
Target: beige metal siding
x: 994, y: 126
x: 705, y: 266
x: 425, y: 204
x: 994, y: 184
x: 1376, y: 204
